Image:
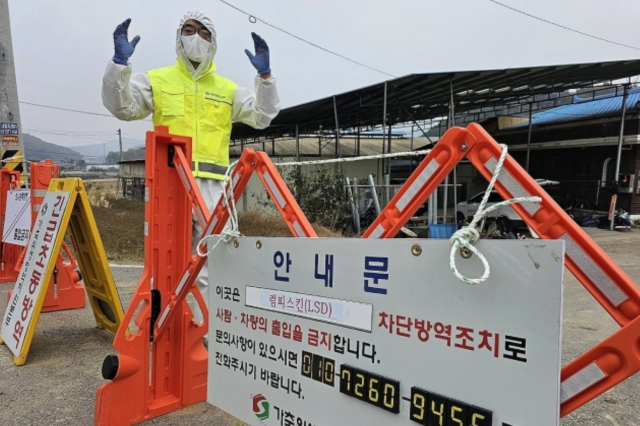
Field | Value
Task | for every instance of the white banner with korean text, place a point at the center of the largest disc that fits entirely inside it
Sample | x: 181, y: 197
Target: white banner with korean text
x: 17, y: 221
x: 28, y: 290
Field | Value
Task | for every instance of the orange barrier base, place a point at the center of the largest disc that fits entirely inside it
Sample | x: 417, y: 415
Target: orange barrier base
x: 130, y: 399
x: 63, y: 292
x: 152, y: 376
x: 10, y: 255
x: 161, y: 365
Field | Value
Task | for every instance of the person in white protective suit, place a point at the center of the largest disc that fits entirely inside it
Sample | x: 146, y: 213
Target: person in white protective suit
x: 192, y: 100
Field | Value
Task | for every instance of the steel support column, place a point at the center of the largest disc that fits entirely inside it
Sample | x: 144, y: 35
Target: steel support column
x: 526, y: 167
x: 614, y: 197
x: 297, y: 144
x: 335, y: 113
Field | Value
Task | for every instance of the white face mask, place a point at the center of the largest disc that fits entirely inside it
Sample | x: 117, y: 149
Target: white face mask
x: 195, y: 47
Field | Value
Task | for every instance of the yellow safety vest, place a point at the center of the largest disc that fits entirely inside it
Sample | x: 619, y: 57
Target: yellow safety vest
x: 201, y: 109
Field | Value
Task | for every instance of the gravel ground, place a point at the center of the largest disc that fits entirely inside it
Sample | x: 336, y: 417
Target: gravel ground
x: 59, y: 381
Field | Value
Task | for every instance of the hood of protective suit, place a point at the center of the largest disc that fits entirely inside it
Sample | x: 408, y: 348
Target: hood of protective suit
x: 207, y: 65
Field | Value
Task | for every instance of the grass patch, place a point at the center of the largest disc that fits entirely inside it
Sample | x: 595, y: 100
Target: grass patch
x: 120, y: 222
x: 255, y: 223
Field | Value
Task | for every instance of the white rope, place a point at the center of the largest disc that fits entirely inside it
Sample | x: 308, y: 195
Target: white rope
x: 9, y: 160
x: 349, y: 159
x: 227, y: 235
x: 466, y: 237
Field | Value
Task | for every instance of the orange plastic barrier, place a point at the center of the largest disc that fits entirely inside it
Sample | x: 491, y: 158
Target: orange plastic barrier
x: 614, y: 359
x: 9, y: 253
x: 162, y: 364
x: 63, y: 292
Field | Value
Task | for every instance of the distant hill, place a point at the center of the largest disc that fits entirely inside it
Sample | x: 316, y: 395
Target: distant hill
x: 131, y: 154
x: 36, y: 150
x: 96, y: 153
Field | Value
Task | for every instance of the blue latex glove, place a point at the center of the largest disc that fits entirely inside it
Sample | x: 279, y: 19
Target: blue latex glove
x: 123, y: 48
x: 260, y: 60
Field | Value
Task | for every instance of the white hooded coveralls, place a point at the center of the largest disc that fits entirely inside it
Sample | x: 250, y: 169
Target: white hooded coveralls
x: 130, y: 98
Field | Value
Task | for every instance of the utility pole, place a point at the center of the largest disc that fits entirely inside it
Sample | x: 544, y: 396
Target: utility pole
x: 11, y: 143
x: 120, y: 140
x: 119, y: 165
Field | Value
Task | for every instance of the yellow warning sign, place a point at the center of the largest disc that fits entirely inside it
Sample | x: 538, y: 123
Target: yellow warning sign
x: 12, y: 159
x: 65, y: 207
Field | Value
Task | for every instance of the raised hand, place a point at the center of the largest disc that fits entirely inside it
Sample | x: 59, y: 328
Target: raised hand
x: 260, y: 60
x: 122, y: 46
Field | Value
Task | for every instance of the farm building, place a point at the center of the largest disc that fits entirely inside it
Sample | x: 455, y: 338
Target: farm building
x: 132, y: 178
x: 501, y: 100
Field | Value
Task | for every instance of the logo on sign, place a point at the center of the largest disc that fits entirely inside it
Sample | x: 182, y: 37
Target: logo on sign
x: 261, y: 407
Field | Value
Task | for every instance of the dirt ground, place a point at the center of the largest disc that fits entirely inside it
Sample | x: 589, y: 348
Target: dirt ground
x: 121, y: 227
x: 59, y: 381
x: 585, y: 324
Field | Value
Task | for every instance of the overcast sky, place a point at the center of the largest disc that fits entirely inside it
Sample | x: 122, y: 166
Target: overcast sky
x: 61, y: 47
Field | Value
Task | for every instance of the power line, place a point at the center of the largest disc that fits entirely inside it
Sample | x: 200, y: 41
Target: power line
x: 55, y: 133
x: 254, y: 19
x: 77, y: 137
x: 88, y: 136
x: 73, y: 110
x: 75, y: 154
x: 73, y: 132
x: 58, y: 88
x: 68, y: 110
x: 131, y: 138
x: 85, y: 138
x: 562, y: 26
x: 98, y: 135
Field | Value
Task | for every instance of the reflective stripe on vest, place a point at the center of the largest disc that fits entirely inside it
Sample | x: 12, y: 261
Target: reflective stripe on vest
x: 199, y: 109
x: 208, y: 168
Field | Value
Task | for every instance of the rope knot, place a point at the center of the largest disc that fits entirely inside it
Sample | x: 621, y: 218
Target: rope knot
x: 465, y: 236
x: 225, y: 237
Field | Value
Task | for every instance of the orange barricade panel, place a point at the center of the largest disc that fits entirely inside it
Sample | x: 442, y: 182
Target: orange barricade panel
x: 64, y: 291
x: 249, y: 162
x: 608, y: 363
x: 139, y: 390
x: 161, y: 364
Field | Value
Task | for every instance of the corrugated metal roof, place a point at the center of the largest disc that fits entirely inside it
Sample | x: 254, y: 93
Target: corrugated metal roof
x: 427, y: 96
x: 583, y: 109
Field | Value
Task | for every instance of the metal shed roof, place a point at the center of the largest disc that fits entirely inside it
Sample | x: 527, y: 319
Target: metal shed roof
x: 582, y: 109
x: 425, y: 96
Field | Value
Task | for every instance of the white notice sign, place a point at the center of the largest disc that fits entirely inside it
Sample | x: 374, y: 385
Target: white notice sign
x: 27, y: 290
x: 331, y: 332
x: 17, y: 222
